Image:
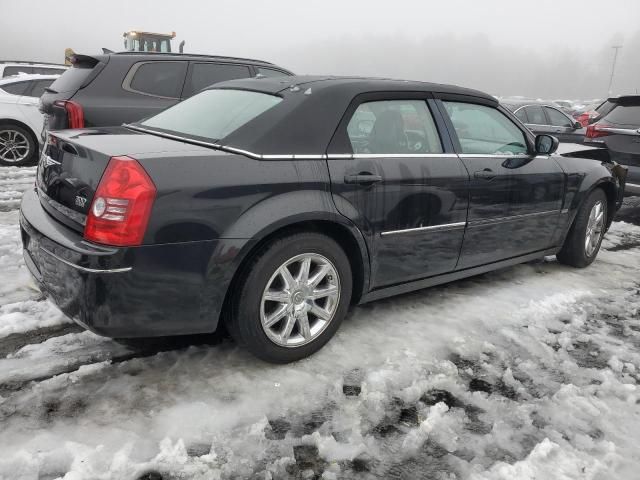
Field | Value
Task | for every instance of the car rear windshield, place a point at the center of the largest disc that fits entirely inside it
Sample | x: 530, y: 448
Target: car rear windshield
x: 72, y: 79
x: 624, y: 115
x: 213, y: 114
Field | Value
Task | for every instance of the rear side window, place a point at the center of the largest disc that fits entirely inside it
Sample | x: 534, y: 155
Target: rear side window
x: 205, y: 74
x: 522, y: 115
x: 485, y: 130
x: 393, y: 127
x: 8, y: 71
x: 38, y: 88
x: 160, y: 79
x: 557, y: 119
x: 269, y: 72
x: 536, y: 115
x: 48, y: 70
x: 71, y: 80
x: 624, y: 115
x: 17, y: 88
x: 213, y: 114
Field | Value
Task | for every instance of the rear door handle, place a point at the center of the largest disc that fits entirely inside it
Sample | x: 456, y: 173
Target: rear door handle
x: 486, y: 174
x: 362, y: 178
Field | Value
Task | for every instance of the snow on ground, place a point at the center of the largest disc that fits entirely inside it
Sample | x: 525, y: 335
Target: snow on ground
x: 531, y: 372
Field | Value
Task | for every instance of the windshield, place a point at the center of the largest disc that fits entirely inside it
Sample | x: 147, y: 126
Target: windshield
x: 213, y: 114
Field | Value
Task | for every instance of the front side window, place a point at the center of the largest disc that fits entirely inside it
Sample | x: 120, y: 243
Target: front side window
x: 213, y: 114
x: 17, y: 88
x: 557, y: 119
x: 485, y: 130
x: 162, y: 79
x: 205, y: 74
x: 393, y: 127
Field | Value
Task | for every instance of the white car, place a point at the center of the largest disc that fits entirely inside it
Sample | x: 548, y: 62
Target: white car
x: 20, y: 118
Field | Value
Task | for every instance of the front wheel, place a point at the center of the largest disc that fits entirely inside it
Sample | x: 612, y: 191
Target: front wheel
x: 292, y: 299
x: 585, y: 236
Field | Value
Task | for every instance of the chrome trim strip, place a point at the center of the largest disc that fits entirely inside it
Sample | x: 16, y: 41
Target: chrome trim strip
x: 85, y: 269
x: 340, y: 156
x: 496, y: 155
x: 172, y: 136
x: 511, y: 218
x: 404, y: 155
x: 633, y: 185
x: 431, y: 228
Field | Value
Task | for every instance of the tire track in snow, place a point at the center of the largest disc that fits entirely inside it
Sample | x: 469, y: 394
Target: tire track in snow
x: 15, y: 341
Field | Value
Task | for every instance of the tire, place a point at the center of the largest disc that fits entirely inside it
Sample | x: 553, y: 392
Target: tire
x: 23, y: 149
x: 251, y: 305
x: 576, y: 251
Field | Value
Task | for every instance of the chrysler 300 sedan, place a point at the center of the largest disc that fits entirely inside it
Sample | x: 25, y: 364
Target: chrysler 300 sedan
x: 271, y: 205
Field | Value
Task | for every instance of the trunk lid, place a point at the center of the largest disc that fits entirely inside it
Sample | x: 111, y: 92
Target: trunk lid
x: 73, y: 162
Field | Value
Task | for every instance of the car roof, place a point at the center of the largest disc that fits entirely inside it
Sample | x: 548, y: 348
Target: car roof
x: 355, y: 85
x: 187, y: 56
x: 26, y: 76
x: 31, y: 64
x: 516, y: 104
x: 305, y: 121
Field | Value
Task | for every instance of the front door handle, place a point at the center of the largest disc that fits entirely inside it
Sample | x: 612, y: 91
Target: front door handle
x: 486, y: 174
x: 362, y: 178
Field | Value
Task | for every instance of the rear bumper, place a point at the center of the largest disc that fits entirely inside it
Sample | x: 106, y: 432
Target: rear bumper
x: 152, y: 290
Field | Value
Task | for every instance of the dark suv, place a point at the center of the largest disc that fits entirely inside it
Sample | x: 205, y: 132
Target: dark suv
x: 617, y: 127
x: 111, y: 89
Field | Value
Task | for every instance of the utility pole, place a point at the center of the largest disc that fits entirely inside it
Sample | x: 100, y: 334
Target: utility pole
x: 613, y: 67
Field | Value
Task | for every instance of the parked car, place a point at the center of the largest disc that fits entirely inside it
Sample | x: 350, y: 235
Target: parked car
x: 541, y: 117
x: 258, y: 204
x: 617, y: 128
x: 20, y: 119
x: 587, y: 113
x: 112, y: 89
x: 9, y: 68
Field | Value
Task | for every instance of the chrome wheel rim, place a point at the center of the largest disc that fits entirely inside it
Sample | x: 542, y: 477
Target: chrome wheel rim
x: 300, y: 300
x: 14, y: 146
x: 595, y: 228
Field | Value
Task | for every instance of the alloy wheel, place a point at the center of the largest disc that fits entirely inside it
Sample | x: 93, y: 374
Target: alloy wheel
x: 300, y: 300
x: 595, y: 228
x: 14, y: 146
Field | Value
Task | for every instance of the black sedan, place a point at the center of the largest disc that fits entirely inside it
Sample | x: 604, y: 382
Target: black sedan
x: 273, y: 204
x: 540, y: 117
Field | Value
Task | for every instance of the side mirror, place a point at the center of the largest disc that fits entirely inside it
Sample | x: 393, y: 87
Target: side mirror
x: 577, y: 126
x: 546, y: 144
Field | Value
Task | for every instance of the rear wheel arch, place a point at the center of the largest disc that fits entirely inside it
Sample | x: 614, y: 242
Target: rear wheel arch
x: 342, y: 234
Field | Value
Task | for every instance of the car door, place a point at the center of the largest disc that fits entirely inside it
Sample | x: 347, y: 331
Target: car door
x: 395, y: 175
x: 564, y: 127
x: 515, y: 196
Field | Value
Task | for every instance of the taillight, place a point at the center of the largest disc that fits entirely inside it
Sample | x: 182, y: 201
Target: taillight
x: 75, y: 114
x: 597, y: 130
x: 121, y: 206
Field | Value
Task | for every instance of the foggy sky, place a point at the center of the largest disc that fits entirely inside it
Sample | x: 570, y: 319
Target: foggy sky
x: 538, y: 48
